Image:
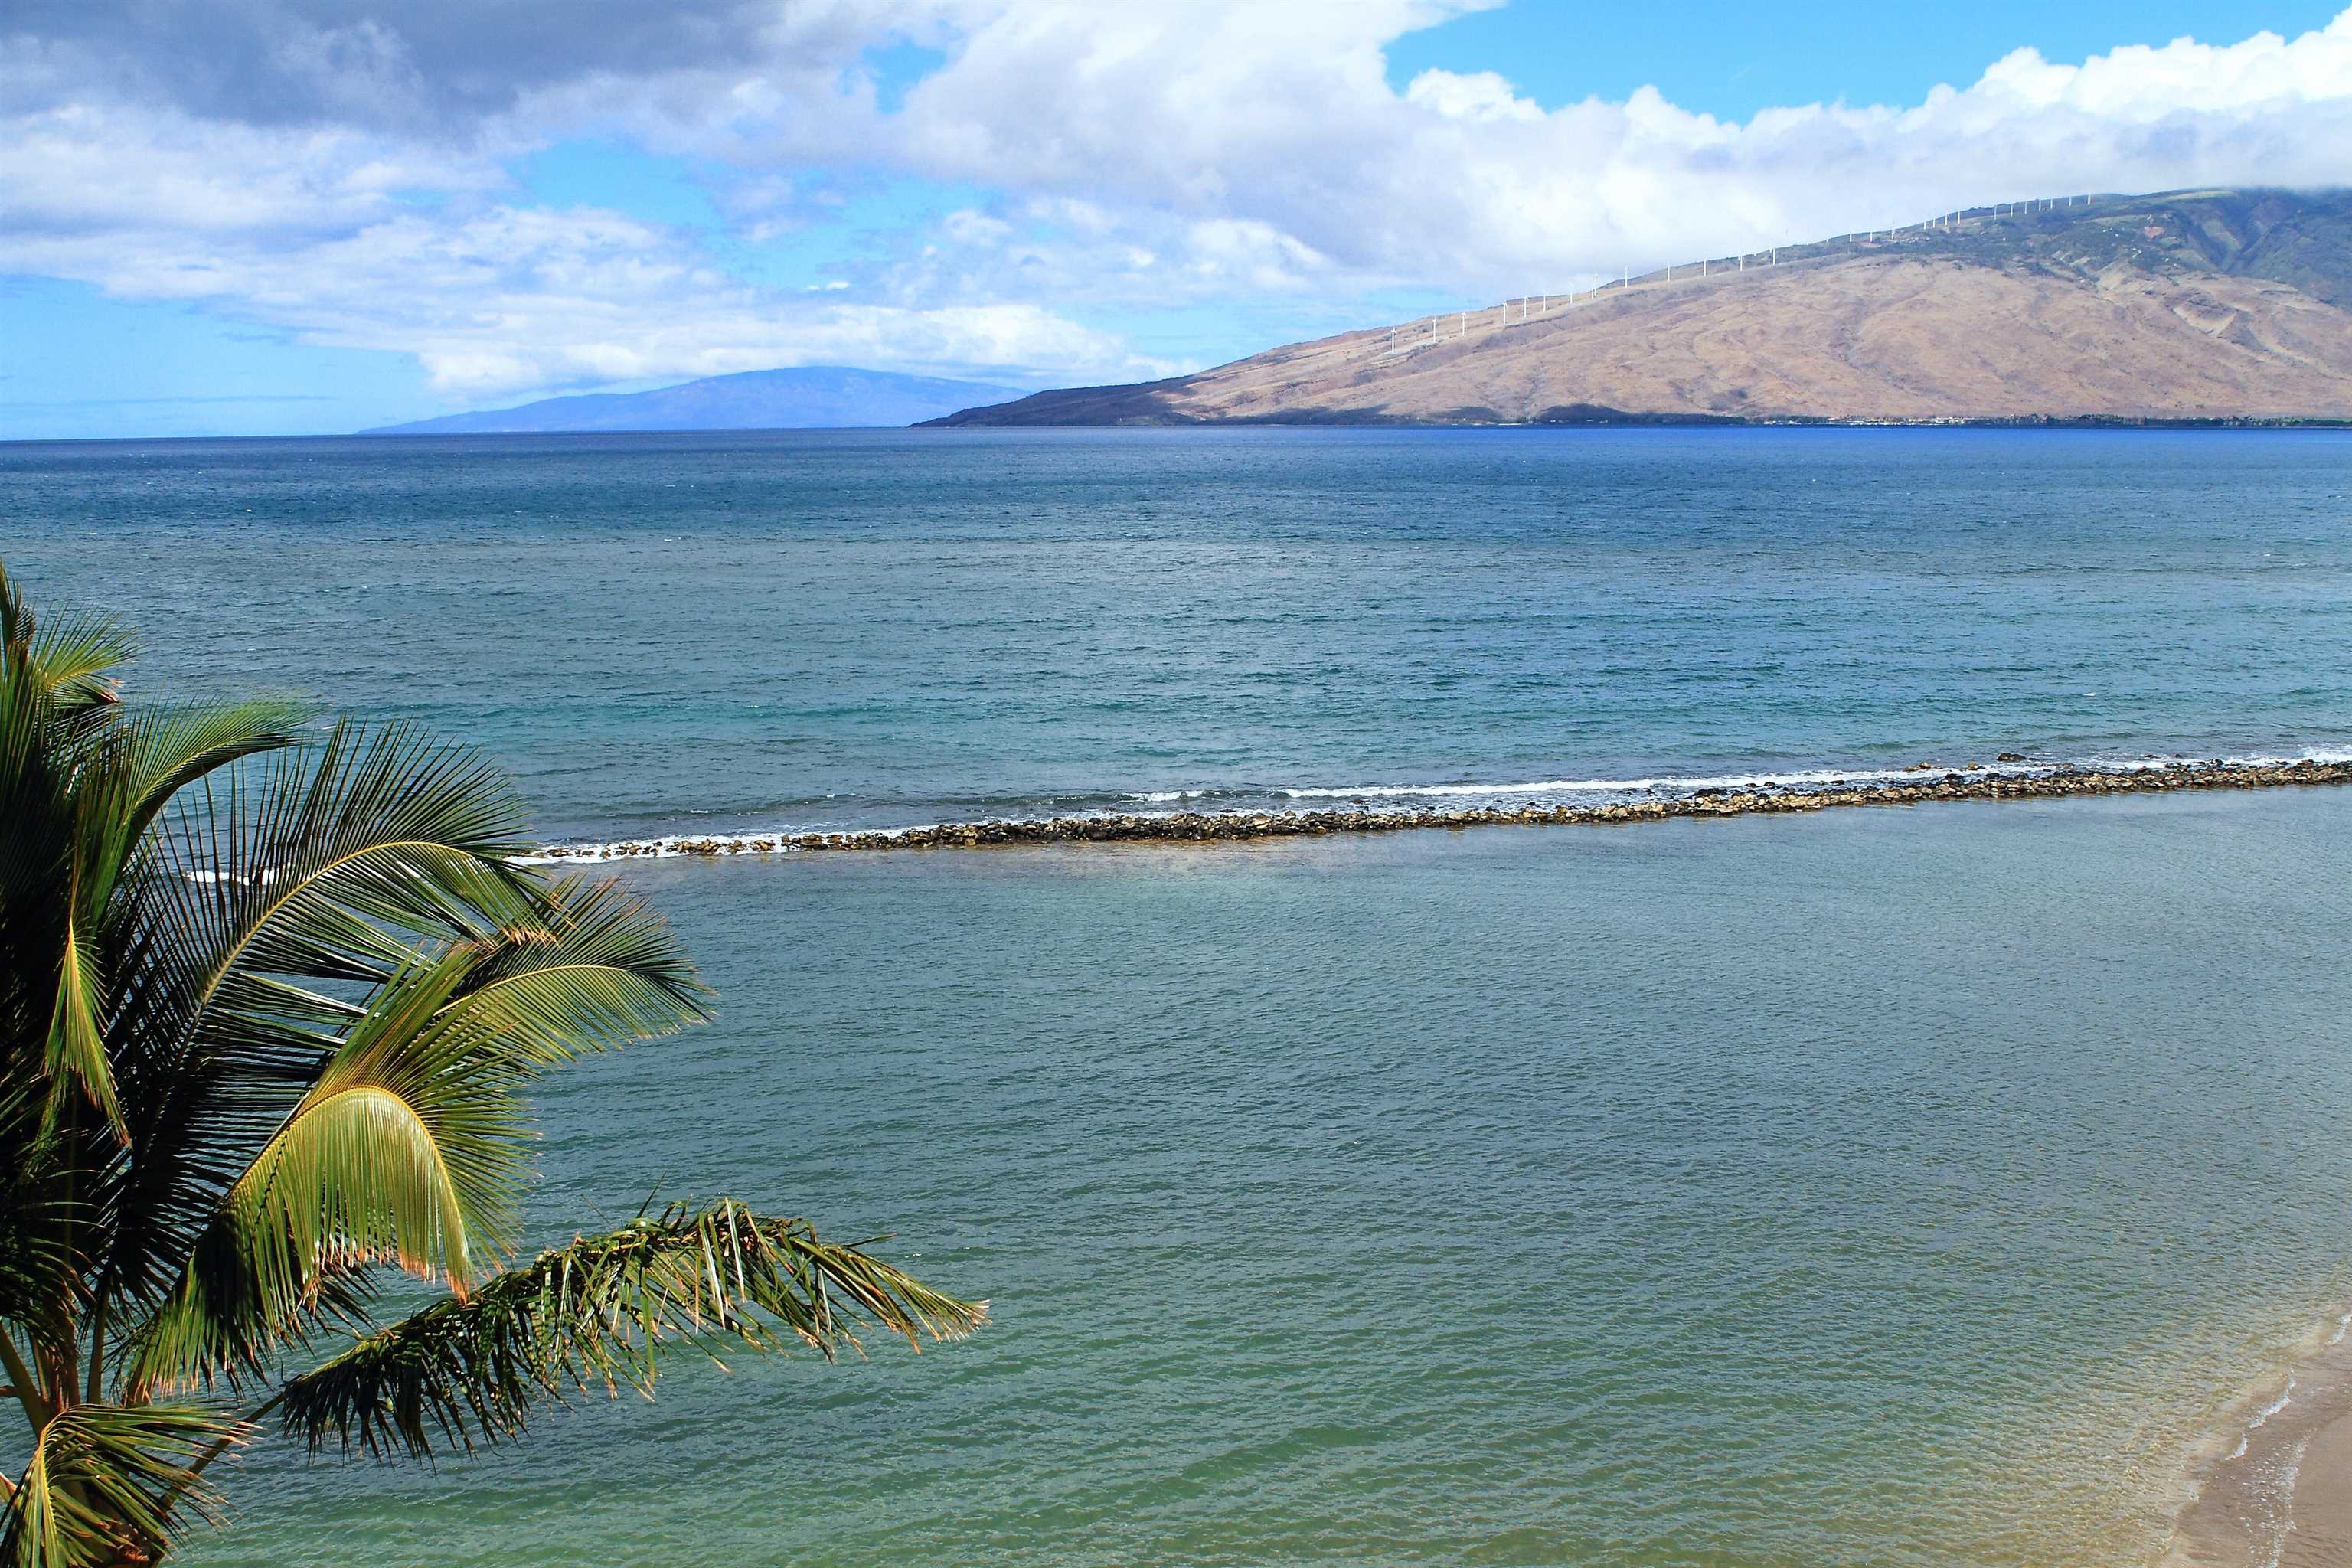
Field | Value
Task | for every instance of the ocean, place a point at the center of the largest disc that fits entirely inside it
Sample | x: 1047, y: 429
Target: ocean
x: 1928, y: 1187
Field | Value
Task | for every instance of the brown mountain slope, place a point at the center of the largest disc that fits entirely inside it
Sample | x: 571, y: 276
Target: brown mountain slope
x: 2214, y: 305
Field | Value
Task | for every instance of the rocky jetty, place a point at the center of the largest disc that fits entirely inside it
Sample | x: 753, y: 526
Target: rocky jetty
x: 1973, y: 782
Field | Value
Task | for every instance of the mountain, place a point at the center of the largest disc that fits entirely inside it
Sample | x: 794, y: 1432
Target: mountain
x: 2191, y: 305
x: 809, y: 397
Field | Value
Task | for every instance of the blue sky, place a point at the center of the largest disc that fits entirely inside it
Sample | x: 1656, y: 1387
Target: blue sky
x: 296, y: 216
x: 1730, y: 61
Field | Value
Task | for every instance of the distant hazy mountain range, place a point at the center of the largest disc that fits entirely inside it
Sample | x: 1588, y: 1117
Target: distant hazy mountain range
x: 2191, y: 305
x: 809, y: 397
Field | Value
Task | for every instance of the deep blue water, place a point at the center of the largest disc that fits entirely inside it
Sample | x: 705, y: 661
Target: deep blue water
x: 1877, y: 1187
x: 727, y: 632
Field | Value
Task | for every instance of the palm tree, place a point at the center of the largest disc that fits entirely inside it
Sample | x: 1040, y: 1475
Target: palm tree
x: 270, y: 1001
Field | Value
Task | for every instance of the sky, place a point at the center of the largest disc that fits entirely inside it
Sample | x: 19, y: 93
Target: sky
x: 281, y: 217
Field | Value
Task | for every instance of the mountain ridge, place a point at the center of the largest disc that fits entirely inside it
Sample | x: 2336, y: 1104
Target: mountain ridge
x: 802, y: 397
x: 2201, y: 306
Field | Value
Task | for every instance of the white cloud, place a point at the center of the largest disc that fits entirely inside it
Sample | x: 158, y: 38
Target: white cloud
x: 508, y: 300
x: 965, y: 227
x: 1281, y: 116
x: 1485, y: 95
x: 344, y: 176
x: 319, y: 230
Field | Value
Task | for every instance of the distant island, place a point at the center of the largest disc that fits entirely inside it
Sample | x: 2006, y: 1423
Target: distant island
x: 807, y: 398
x: 2186, y: 307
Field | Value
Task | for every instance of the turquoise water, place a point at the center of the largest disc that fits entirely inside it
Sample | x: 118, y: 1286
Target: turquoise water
x: 665, y: 634
x: 1901, y: 1187
x: 1908, y: 1187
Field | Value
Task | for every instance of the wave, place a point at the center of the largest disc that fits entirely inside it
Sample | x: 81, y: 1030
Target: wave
x: 2261, y: 1417
x: 2242, y: 1478
x: 1265, y: 810
x: 1667, y: 783
x: 1803, y: 778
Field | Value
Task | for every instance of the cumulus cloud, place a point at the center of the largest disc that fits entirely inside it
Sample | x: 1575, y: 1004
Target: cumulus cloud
x: 511, y: 299
x: 1282, y: 116
x: 428, y: 67
x: 342, y: 170
x: 349, y: 235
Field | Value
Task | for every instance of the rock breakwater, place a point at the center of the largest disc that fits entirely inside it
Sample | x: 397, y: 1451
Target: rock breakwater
x: 1972, y: 783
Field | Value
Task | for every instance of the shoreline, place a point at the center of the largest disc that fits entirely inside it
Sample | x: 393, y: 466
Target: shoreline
x: 1975, y: 782
x: 1588, y: 416
x: 2282, y: 1496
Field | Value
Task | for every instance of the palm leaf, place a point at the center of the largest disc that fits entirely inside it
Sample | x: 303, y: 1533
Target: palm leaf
x: 168, y: 749
x: 99, y: 842
x: 595, y: 1314
x: 268, y: 1011
x: 262, y: 899
x: 410, y: 1146
x: 15, y: 620
x: 77, y: 1049
x: 404, y: 1150
x: 104, y: 1484
x: 595, y: 968
x: 70, y: 659
x: 388, y: 829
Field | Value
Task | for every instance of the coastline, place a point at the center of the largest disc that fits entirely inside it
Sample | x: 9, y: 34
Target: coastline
x: 2011, y: 779
x: 2273, y: 1488
x: 1579, y: 415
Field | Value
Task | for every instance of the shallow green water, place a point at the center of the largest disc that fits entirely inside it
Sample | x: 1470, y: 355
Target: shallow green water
x: 1892, y: 1187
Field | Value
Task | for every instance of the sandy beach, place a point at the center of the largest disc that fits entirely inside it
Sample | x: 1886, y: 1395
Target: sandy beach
x: 2278, y: 1494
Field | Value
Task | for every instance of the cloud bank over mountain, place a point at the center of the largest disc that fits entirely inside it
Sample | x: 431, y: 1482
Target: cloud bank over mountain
x: 994, y: 187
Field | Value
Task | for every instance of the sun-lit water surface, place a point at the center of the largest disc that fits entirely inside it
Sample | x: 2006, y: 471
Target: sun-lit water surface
x: 1902, y: 1187
x: 1883, y: 1187
x: 681, y: 633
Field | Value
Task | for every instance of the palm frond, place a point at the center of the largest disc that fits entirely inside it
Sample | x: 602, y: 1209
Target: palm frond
x: 338, y: 866
x: 36, y: 862
x: 105, y: 1483
x: 390, y: 828
x: 268, y: 1011
x: 407, y: 1149
x: 16, y: 620
x: 366, y: 1170
x: 594, y: 968
x: 166, y: 750
x: 410, y: 1146
x: 221, y: 1329
x: 64, y: 667
x: 77, y: 1051
x: 98, y: 843
x: 597, y: 1313
x: 72, y: 659
x: 42, y: 1301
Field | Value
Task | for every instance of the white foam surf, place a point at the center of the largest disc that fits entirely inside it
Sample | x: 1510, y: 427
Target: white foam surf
x: 1682, y: 783
x: 2264, y: 1414
x: 1796, y: 778
x: 1402, y: 797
